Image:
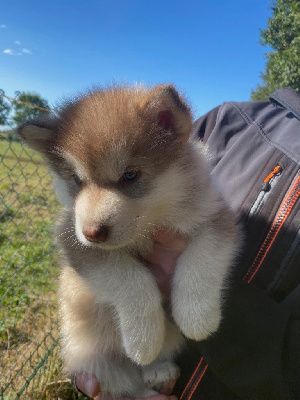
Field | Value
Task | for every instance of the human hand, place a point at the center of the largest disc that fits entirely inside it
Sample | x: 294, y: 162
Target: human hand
x: 88, y: 385
x: 162, y: 261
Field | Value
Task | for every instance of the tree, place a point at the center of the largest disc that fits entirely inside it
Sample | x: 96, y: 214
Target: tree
x: 283, y: 36
x: 5, y: 108
x: 24, y: 112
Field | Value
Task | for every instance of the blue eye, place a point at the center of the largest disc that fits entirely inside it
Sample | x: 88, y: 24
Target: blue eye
x: 130, y: 176
x: 77, y: 180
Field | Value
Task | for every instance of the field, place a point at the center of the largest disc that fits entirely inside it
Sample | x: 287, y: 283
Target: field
x: 29, y: 339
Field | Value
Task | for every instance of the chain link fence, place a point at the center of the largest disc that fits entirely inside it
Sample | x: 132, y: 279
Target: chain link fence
x: 29, y: 339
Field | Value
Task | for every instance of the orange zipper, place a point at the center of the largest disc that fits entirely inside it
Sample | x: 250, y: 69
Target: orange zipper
x: 266, y: 184
x: 194, y: 381
x: 265, y: 190
x: 284, y: 211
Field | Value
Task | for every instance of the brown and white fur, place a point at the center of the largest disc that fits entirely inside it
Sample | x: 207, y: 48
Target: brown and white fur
x: 125, y: 165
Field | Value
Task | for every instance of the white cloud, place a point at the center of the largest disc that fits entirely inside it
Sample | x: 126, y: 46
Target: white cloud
x: 11, y: 52
x: 27, y: 51
x: 8, y: 51
x: 17, y: 53
x: 3, y: 26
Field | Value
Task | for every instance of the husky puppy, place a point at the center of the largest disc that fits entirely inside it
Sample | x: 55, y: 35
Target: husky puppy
x: 125, y: 166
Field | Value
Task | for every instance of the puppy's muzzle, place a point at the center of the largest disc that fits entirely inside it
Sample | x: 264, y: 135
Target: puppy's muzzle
x: 98, y: 234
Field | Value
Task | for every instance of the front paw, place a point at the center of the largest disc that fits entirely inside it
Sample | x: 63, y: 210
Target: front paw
x: 143, y: 342
x: 197, y: 320
x: 160, y: 375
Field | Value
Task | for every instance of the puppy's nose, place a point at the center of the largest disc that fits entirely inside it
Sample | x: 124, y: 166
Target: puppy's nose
x: 96, y: 233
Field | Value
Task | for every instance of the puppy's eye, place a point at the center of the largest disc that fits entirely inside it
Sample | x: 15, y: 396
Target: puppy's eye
x: 130, y: 176
x: 77, y: 180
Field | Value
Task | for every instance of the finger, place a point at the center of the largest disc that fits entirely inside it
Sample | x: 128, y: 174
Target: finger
x: 159, y: 397
x: 167, y: 388
x: 170, y: 240
x: 162, y: 262
x: 87, y: 384
x: 164, y: 258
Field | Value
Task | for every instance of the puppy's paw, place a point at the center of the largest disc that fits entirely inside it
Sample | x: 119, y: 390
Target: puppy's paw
x: 201, y: 329
x: 144, y: 345
x: 160, y: 375
x: 198, y: 322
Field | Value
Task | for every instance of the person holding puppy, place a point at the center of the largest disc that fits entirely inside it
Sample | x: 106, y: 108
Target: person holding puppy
x: 255, y: 154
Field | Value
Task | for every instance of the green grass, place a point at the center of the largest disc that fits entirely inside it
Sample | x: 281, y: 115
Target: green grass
x: 27, y: 210
x: 29, y: 364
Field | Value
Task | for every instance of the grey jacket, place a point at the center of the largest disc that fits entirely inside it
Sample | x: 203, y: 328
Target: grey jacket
x: 255, y: 155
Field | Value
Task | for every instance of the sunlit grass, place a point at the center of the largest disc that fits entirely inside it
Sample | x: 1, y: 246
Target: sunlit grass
x: 29, y: 363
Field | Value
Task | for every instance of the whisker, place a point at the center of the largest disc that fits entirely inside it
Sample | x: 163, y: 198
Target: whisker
x: 65, y: 232
x: 69, y: 237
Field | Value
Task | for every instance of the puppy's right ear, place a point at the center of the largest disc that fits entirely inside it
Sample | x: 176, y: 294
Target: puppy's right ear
x: 169, y: 111
x: 37, y: 134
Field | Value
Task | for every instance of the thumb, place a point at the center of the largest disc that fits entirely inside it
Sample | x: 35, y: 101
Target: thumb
x: 87, y: 384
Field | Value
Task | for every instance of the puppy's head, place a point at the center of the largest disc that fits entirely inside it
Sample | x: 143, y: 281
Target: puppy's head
x: 114, y: 155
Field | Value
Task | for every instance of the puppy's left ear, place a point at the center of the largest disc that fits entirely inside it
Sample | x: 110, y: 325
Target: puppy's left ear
x: 37, y: 134
x: 166, y: 108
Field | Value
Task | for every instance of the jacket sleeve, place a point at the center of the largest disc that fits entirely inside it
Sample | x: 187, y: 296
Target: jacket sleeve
x: 256, y: 352
x: 205, y: 124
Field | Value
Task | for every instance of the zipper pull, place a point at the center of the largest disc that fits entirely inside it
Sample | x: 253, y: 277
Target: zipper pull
x: 266, y: 186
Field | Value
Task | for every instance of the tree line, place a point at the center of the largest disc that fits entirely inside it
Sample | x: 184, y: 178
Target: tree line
x: 13, y: 112
x: 282, y: 36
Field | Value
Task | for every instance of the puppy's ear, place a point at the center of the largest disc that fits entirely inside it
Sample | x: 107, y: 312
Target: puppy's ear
x: 169, y: 111
x: 37, y: 134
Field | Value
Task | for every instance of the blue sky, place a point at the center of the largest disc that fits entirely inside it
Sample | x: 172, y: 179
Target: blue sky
x: 208, y: 48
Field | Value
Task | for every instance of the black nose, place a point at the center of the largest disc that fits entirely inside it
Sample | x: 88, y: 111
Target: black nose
x: 96, y: 233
